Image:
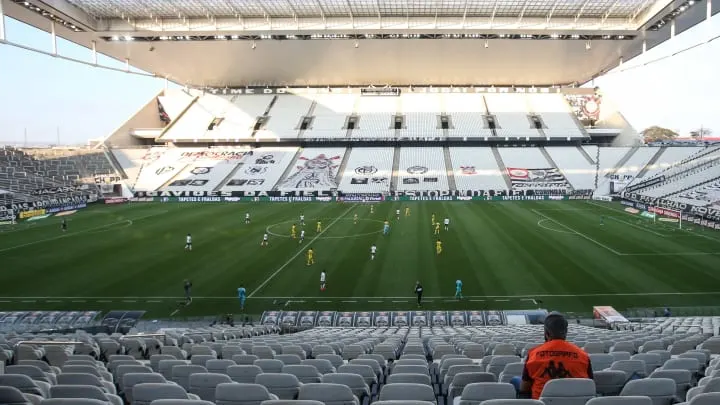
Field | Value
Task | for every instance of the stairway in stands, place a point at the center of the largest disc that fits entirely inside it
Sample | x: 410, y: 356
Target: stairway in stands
x: 554, y: 165
x: 343, y: 165
x: 395, y: 169
x: 449, y: 169
x: 288, y: 169
x: 501, y: 167
x: 651, y: 162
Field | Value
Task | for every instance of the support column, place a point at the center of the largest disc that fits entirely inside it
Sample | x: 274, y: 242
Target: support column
x: 166, y: 83
x: 644, y: 44
x: 94, y: 52
x: 672, y: 29
x: 709, y: 9
x: 2, y: 22
x: 127, y: 64
x: 53, y: 38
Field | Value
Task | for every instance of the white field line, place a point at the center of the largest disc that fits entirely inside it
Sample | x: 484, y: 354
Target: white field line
x: 299, y: 252
x: 642, y: 228
x: 65, y: 235
x: 579, y: 233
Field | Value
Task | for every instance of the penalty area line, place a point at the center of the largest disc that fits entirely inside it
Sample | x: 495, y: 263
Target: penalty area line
x: 299, y: 252
x: 579, y: 233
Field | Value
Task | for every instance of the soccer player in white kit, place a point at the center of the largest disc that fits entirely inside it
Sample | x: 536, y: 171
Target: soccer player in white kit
x: 397, y: 214
x: 322, y: 280
x: 447, y: 223
x: 302, y: 236
x: 265, y: 240
x: 302, y: 219
x: 373, y: 251
x: 188, y: 242
x: 247, y: 217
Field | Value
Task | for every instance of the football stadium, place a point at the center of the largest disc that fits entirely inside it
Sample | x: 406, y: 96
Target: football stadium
x: 355, y: 202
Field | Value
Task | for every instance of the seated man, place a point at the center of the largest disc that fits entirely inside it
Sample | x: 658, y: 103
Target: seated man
x: 556, y: 358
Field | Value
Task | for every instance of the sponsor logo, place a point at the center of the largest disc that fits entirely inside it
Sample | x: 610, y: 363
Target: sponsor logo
x: 379, y: 180
x: 179, y: 183
x: 38, y: 217
x: 265, y: 160
x: 214, y: 155
x: 359, y: 180
x: 256, y: 170
x: 537, y: 178
x: 32, y: 213
x: 199, y: 183
x: 65, y: 213
x: 467, y: 170
x: 59, y: 190
x: 366, y: 170
x: 430, y: 179
x: 411, y: 180
x: 115, y: 200
x: 417, y: 170
x: 164, y: 170
x: 200, y: 170
x: 632, y: 210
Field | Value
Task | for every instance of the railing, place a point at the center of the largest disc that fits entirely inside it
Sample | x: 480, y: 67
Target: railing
x: 47, y: 343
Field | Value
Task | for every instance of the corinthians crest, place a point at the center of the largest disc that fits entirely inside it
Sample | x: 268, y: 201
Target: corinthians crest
x: 316, y: 173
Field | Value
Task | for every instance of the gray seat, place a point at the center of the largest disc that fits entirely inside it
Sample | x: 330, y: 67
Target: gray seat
x: 145, y: 393
x: 244, y: 359
x: 305, y: 373
x: 692, y: 365
x: 367, y: 373
x: 660, y: 390
x: 269, y: 365
x: 201, y: 359
x: 512, y: 402
x: 25, y: 384
x: 618, y: 356
x: 218, y: 365
x: 329, y: 394
x: 498, y: 363
x: 600, y: 361
x: 609, y: 382
x: 323, y: 366
x: 334, y: 359
x: 353, y: 381
x: 155, y: 360
x: 86, y: 379
x: 130, y: 380
x: 408, y: 378
x: 33, y: 372
x: 410, y: 369
x: 706, y: 399
x: 180, y: 402
x: 290, y: 402
x: 204, y: 384
x: 682, y: 378
x: 242, y: 394
x: 284, y: 386
x: 620, y: 401
x: 713, y: 385
x: 243, y: 373
x: 72, y: 401
x: 263, y: 352
x: 475, y: 393
x: 165, y: 367
x: 288, y: 359
x: 461, y: 380
x: 511, y: 370
x: 129, y: 368
x: 415, y: 392
x: 84, y: 391
x: 181, y: 374
x: 630, y: 368
x: 13, y: 396
x: 652, y: 361
x: 568, y: 391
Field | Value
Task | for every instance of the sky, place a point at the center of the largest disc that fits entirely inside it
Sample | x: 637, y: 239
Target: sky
x: 44, y: 99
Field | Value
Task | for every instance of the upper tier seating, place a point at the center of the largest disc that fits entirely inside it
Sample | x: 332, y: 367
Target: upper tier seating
x: 422, y: 115
x: 285, y: 117
x: 466, y: 112
x: 375, y: 117
x: 555, y: 113
x: 512, y: 116
x: 368, y: 170
x: 330, y: 115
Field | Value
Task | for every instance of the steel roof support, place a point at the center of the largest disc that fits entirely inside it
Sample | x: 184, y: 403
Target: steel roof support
x: 552, y: 10
x: 637, y: 11
x: 582, y: 8
x: 522, y: 12
x: 322, y: 12
x: 295, y: 16
x: 53, y: 38
x: 464, y: 14
x: 492, y: 18
x: 377, y: 7
x: 2, y: 22
x: 609, y: 11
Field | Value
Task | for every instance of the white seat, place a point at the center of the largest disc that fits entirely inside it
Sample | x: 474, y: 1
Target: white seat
x: 130, y: 380
x: 329, y: 394
x: 282, y: 385
x: 242, y: 394
x: 269, y: 365
x: 476, y: 393
x: 145, y: 393
x: 243, y: 373
x: 204, y: 384
x: 181, y: 374
x: 84, y: 391
x: 660, y: 390
x: 609, y: 382
x: 353, y: 381
x: 305, y: 373
x: 568, y: 391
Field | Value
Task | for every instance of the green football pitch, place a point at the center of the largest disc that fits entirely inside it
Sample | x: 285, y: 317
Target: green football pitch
x: 509, y: 255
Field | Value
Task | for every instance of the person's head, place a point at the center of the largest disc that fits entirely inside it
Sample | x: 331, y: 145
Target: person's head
x: 417, y: 282
x: 556, y: 326
x: 188, y: 234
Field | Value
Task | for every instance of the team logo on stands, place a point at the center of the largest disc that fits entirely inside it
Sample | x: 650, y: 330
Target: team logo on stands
x: 359, y: 180
x: 265, y: 160
x: 417, y: 170
x: 255, y: 170
x: 200, y: 170
x: 379, y: 180
x: 317, y: 173
x: 255, y: 182
x: 366, y: 170
x: 164, y: 169
x: 180, y: 183
x: 411, y: 180
x: 430, y: 179
x: 236, y: 182
x: 468, y: 170
x: 198, y: 183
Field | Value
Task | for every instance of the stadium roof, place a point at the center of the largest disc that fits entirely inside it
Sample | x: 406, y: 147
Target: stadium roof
x: 361, y: 42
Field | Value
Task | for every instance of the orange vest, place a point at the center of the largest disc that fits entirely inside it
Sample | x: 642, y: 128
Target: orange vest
x: 555, y: 359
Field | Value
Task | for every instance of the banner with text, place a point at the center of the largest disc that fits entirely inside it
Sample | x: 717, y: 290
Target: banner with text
x: 537, y: 179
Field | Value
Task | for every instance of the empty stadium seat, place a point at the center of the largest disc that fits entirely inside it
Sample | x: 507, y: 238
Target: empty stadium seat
x: 568, y: 391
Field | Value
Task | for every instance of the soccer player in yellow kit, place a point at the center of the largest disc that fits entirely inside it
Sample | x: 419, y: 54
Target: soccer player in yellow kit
x: 438, y: 247
x: 407, y: 211
x: 310, y: 257
x: 355, y: 219
x: 433, y: 219
x: 319, y: 227
x: 372, y: 209
x: 437, y: 228
x: 293, y: 232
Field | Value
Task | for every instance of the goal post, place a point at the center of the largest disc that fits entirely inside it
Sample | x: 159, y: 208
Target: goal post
x: 667, y: 215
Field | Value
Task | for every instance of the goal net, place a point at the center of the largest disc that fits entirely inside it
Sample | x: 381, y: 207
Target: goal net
x: 665, y: 216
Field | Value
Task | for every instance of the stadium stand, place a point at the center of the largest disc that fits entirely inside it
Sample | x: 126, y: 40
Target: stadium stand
x: 329, y: 116
x: 285, y: 117
x: 261, y: 170
x: 368, y: 170
x: 376, y: 117
x: 314, y: 169
x: 475, y: 169
x: 422, y: 169
x: 421, y: 115
x: 512, y: 116
x: 467, y: 115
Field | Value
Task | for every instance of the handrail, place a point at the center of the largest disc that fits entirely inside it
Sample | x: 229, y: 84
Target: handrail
x: 47, y: 343
x: 141, y: 335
